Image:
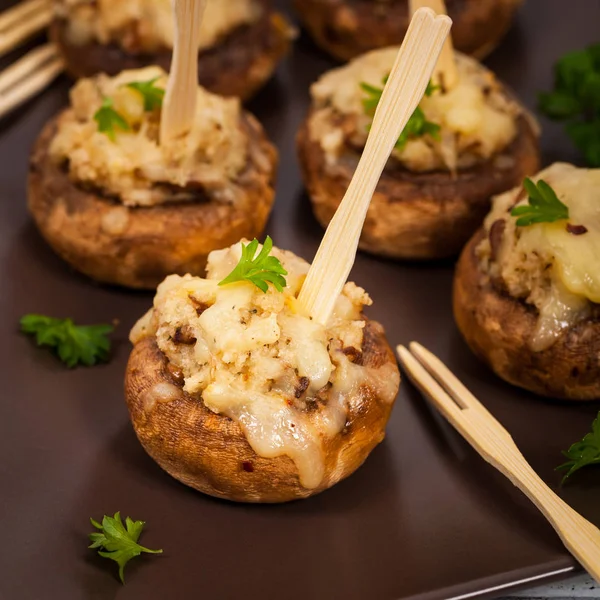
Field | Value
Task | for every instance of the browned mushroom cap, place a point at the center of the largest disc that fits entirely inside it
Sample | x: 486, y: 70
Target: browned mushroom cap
x: 210, y: 453
x: 138, y: 247
x: 347, y: 28
x: 238, y: 66
x: 418, y: 215
x: 498, y: 327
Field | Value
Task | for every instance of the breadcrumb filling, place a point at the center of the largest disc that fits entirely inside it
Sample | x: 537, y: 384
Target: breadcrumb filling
x: 545, y: 264
x: 477, y: 119
x: 143, y: 26
x: 133, y: 167
x: 287, y: 380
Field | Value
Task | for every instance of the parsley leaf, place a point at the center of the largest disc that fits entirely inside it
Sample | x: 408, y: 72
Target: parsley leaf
x: 74, y: 344
x: 544, y: 205
x: 260, y: 270
x: 109, y: 119
x: 119, y: 543
x: 153, y: 96
x: 417, y: 125
x: 576, y: 100
x: 583, y: 453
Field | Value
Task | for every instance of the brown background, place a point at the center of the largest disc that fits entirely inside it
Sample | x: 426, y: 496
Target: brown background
x: 425, y: 517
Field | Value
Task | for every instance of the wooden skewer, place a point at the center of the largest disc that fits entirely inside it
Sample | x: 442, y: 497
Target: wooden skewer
x: 29, y: 24
x: 405, y: 88
x: 26, y: 66
x: 445, y: 73
x: 474, y: 422
x: 29, y: 76
x: 179, y: 105
x: 21, y: 11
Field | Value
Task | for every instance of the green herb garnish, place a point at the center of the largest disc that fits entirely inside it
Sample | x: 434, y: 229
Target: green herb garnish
x: 544, y: 205
x: 259, y: 270
x: 583, y: 453
x: 109, y: 120
x: 576, y: 100
x: 417, y: 125
x: 153, y: 96
x: 74, y: 344
x: 119, y: 543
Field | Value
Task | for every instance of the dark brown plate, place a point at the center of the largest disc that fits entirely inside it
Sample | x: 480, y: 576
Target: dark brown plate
x: 425, y: 518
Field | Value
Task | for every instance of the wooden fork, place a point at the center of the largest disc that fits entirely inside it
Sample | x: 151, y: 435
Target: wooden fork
x: 403, y: 91
x: 473, y: 421
x: 28, y: 76
x: 38, y: 68
x: 22, y: 21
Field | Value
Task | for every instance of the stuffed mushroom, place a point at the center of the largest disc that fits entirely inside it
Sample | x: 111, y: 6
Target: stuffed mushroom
x: 236, y: 393
x: 347, y: 28
x: 460, y: 147
x: 241, y: 41
x: 125, y: 209
x: 527, y: 286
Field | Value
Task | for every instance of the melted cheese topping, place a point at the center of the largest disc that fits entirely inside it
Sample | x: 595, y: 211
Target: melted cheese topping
x: 135, y: 168
x: 546, y: 265
x: 147, y: 25
x: 477, y: 119
x: 284, y: 378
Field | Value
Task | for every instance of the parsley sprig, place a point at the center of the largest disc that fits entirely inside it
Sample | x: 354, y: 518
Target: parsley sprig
x: 583, y: 453
x: 260, y: 270
x: 74, y: 344
x: 417, y: 125
x: 152, y: 95
x: 543, y: 207
x: 575, y: 100
x: 109, y: 120
x: 118, y: 542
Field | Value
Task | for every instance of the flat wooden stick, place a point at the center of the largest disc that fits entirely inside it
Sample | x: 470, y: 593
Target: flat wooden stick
x: 179, y: 105
x: 31, y: 86
x: 21, y: 12
x: 491, y: 440
x: 26, y: 66
x: 445, y: 73
x: 14, y: 35
x: 403, y: 92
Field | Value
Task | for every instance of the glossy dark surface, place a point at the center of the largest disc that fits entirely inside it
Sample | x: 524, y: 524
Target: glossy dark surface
x: 424, y: 518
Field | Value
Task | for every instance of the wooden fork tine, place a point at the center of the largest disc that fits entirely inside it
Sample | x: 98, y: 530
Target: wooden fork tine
x: 39, y: 67
x: 31, y: 86
x: 20, y: 11
x: 461, y: 394
x: 25, y: 66
x: 422, y: 379
x: 478, y: 425
x: 28, y: 27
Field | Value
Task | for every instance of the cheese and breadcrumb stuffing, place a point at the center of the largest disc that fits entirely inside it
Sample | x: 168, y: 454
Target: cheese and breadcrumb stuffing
x: 146, y: 26
x: 251, y: 356
x: 552, y: 266
x: 476, y: 117
x: 134, y: 168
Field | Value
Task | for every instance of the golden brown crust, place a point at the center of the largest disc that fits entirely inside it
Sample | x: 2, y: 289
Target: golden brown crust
x: 239, y: 66
x: 498, y: 327
x: 210, y: 453
x: 347, y: 28
x: 138, y: 247
x: 418, y: 215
